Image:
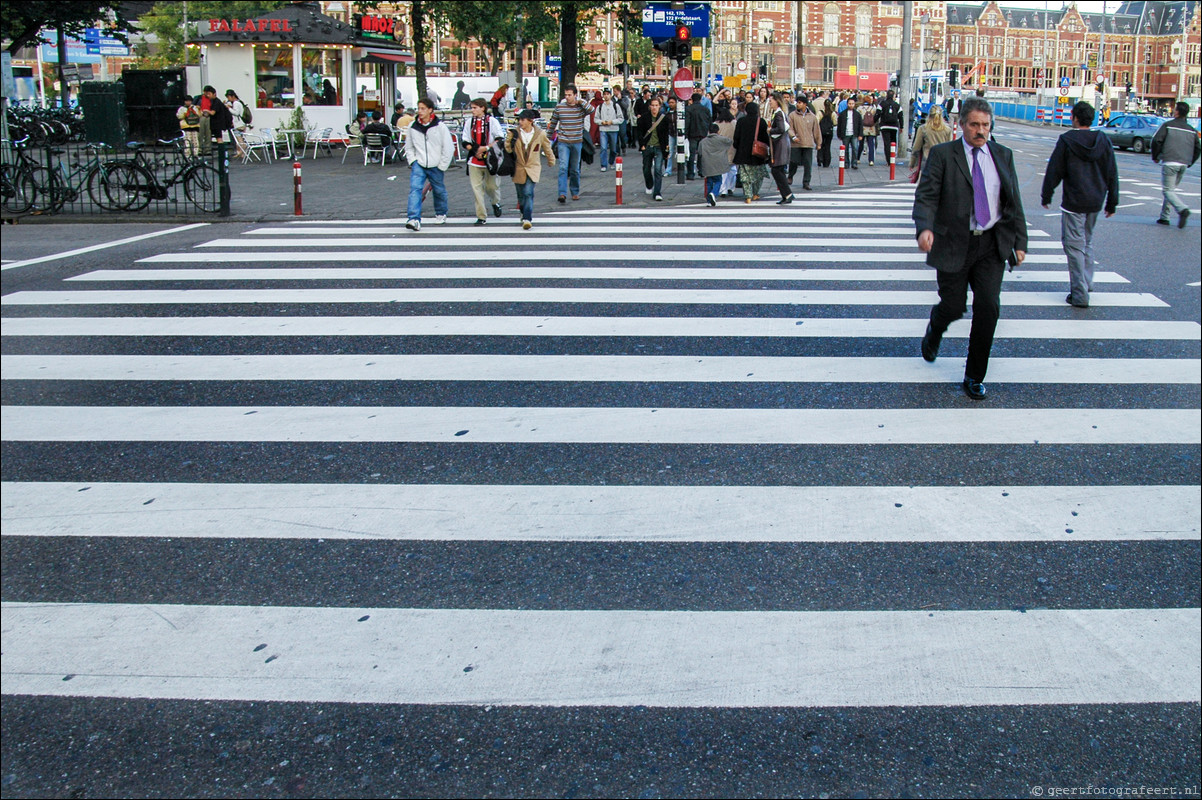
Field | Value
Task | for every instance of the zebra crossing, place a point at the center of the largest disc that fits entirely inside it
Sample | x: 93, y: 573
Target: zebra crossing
x: 659, y: 502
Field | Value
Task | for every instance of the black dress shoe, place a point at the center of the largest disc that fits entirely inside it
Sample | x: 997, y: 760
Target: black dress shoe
x: 1163, y: 222
x: 1069, y: 299
x: 1182, y: 217
x: 496, y: 209
x: 974, y: 389
x: 930, y: 345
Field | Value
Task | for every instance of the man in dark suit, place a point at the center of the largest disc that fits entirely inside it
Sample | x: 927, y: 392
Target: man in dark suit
x: 969, y: 220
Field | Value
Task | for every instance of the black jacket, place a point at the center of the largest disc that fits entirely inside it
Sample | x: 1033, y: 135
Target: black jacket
x: 644, y: 129
x: 1084, y: 161
x: 889, y: 114
x: 943, y: 205
x: 747, y: 130
x: 697, y: 121
x: 857, y: 126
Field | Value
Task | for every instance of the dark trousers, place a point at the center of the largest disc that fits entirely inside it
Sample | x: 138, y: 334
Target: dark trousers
x: 888, y: 138
x: 803, y: 157
x: 983, y: 270
x: 780, y: 175
x: 694, y: 161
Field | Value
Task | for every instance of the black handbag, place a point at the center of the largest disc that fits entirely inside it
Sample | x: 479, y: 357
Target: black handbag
x: 509, y: 160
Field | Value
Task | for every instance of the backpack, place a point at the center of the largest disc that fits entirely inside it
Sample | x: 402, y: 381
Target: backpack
x: 869, y: 120
x: 247, y: 117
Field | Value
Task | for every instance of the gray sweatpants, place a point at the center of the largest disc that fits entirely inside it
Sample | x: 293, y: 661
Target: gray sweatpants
x: 1076, y: 234
x: 1170, y: 179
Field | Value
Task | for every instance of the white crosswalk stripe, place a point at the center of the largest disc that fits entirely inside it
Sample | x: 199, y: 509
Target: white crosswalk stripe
x: 322, y: 483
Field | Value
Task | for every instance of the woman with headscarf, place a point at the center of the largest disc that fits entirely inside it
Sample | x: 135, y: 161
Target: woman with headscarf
x: 752, y: 167
x: 932, y: 132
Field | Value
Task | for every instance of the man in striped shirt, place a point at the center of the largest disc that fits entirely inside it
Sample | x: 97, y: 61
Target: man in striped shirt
x: 568, y: 120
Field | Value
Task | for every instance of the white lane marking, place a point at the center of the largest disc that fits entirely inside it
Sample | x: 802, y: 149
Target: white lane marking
x: 1125, y: 205
x: 705, y: 327
x: 777, y: 244
x: 599, y: 425
x: 548, y: 295
x: 454, y: 256
x: 635, y: 225
x: 602, y: 658
x: 592, y: 368
x: 558, y: 273
x: 458, y: 512
x: 93, y: 248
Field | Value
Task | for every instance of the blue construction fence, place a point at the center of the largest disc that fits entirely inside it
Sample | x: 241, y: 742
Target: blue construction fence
x: 1049, y: 113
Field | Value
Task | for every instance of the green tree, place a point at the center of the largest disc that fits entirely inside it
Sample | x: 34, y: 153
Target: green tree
x: 497, y: 25
x: 21, y: 25
x: 165, y: 21
x: 573, y: 15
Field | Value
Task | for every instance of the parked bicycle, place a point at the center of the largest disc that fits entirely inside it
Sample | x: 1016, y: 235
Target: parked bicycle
x: 135, y: 184
x: 27, y: 185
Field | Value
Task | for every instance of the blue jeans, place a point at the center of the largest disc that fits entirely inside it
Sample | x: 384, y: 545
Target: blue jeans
x: 713, y: 185
x: 609, y: 144
x: 568, y: 154
x: 418, y: 175
x: 671, y: 157
x: 526, y: 199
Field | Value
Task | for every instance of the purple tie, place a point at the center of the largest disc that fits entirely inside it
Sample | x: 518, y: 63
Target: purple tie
x: 980, y: 200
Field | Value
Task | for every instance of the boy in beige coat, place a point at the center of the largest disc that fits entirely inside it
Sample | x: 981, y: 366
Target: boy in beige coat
x: 528, y: 144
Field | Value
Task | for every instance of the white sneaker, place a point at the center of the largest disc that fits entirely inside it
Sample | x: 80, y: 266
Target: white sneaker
x: 527, y: 224
x: 659, y: 197
x: 647, y: 191
x: 603, y: 169
x: 440, y: 220
x: 414, y: 224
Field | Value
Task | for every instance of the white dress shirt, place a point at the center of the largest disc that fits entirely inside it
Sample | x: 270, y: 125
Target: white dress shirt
x: 993, y: 185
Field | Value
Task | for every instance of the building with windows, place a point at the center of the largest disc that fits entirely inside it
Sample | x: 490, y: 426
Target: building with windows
x: 1153, y: 47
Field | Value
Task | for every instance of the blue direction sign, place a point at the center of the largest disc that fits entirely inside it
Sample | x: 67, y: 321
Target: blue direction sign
x: 553, y: 63
x: 98, y: 45
x: 1064, y: 83
x: 660, y: 20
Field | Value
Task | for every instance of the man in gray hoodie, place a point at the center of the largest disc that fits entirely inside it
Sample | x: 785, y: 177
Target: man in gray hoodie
x: 714, y: 161
x: 1175, y: 146
x: 1084, y: 161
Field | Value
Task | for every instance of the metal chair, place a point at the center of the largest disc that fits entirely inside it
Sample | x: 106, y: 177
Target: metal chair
x: 353, y: 139
x: 253, y: 146
x: 319, y: 139
x: 374, y: 143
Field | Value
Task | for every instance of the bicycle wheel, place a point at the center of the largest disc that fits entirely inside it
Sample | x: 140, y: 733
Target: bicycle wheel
x: 202, y: 185
x: 98, y: 188
x: 125, y: 186
x: 16, y: 188
x: 47, y: 190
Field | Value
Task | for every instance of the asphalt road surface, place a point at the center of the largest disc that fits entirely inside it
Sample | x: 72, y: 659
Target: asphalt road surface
x: 650, y: 502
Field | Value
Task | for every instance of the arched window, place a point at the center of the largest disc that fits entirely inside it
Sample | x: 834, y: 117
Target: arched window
x: 830, y: 25
x: 893, y: 37
x: 864, y: 26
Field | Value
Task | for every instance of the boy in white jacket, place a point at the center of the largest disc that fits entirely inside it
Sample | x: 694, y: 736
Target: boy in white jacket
x: 608, y: 116
x: 429, y: 148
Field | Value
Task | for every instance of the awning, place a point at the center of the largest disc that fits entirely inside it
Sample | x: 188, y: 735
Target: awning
x: 376, y: 56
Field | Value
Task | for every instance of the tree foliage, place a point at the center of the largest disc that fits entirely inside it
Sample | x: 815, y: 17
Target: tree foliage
x: 165, y: 21
x: 496, y: 25
x: 21, y: 23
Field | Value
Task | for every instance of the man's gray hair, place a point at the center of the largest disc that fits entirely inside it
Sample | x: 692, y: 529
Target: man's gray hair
x: 975, y: 104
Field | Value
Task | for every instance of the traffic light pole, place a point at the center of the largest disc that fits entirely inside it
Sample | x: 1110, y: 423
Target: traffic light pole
x: 903, y: 88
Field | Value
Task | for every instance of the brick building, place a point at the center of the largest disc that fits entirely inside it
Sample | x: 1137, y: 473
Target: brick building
x: 1153, y: 46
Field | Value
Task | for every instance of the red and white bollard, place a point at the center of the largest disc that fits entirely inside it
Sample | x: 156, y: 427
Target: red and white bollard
x: 296, y: 188
x: 842, y: 161
x: 618, y: 178
x: 893, y: 161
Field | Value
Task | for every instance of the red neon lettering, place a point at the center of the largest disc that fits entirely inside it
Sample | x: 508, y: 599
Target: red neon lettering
x: 214, y: 25
x: 224, y: 26
x: 287, y: 25
x: 262, y: 25
x: 275, y: 25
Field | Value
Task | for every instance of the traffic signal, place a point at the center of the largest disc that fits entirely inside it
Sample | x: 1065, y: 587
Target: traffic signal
x: 953, y: 77
x: 682, y: 43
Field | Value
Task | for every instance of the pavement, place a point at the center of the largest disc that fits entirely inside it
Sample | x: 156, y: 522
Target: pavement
x: 650, y: 504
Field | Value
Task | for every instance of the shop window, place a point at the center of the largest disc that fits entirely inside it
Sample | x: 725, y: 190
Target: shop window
x: 322, y: 73
x: 273, y: 77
